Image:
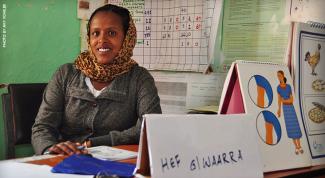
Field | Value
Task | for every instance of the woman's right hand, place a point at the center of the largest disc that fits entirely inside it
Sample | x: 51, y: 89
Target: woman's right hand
x: 66, y: 148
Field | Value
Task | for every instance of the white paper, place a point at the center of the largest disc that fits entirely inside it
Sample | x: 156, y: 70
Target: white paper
x: 110, y: 153
x: 307, y: 10
x: 31, y: 158
x: 179, y: 92
x: 26, y: 170
x: 191, y: 145
x: 172, y: 90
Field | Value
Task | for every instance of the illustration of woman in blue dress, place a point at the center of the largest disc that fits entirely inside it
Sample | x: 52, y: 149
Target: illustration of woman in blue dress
x: 285, y: 101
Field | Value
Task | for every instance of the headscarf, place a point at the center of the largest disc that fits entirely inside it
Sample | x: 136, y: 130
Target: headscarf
x: 122, y: 63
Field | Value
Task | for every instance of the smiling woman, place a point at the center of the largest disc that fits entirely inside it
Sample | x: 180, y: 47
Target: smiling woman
x: 100, y: 99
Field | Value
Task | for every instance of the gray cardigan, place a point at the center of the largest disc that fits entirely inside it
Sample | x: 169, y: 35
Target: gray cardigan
x: 69, y: 111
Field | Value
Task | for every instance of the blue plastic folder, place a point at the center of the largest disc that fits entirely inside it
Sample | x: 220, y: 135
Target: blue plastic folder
x: 87, y: 165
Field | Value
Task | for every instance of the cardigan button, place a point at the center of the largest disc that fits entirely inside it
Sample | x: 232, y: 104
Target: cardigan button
x: 94, y: 104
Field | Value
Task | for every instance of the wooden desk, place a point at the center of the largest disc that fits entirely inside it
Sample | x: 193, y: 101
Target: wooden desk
x: 55, y: 160
x: 315, y: 171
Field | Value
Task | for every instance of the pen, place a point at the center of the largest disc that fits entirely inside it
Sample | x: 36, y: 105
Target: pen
x: 81, y: 147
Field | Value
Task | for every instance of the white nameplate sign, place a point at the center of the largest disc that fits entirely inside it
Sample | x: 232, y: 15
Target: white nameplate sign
x: 199, y: 146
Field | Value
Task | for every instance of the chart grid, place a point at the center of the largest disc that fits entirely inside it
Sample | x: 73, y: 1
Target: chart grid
x: 171, y: 34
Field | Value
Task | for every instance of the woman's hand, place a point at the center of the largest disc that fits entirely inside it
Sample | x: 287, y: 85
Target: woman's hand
x: 67, y: 148
x: 87, y: 143
x: 279, y: 112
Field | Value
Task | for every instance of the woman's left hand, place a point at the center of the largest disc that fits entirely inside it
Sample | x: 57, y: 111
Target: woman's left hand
x: 67, y: 148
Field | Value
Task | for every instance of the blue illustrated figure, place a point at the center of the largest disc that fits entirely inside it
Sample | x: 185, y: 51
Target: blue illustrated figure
x: 285, y: 102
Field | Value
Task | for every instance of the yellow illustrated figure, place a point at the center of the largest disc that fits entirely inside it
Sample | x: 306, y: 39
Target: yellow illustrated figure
x: 314, y: 59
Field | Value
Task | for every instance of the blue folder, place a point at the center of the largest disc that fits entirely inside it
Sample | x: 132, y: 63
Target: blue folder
x: 87, y: 165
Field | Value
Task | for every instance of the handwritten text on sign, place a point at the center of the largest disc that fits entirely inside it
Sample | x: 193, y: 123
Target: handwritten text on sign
x: 202, y: 146
x: 198, y: 162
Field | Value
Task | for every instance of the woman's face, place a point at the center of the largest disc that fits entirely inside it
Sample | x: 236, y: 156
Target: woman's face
x: 106, y: 36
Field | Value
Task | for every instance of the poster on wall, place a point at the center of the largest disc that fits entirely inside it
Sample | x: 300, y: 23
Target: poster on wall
x: 309, y: 64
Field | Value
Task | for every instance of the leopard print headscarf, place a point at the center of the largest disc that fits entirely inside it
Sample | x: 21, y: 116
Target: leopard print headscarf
x: 122, y: 63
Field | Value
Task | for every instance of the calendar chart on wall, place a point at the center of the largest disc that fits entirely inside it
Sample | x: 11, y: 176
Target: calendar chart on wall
x: 171, y: 34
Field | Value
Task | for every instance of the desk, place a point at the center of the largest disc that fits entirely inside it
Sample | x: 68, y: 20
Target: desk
x: 52, y: 161
x: 315, y: 171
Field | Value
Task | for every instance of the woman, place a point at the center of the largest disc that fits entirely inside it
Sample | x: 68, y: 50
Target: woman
x: 285, y: 99
x: 100, y: 99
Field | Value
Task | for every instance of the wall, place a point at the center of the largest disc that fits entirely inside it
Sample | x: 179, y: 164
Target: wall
x: 41, y: 35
